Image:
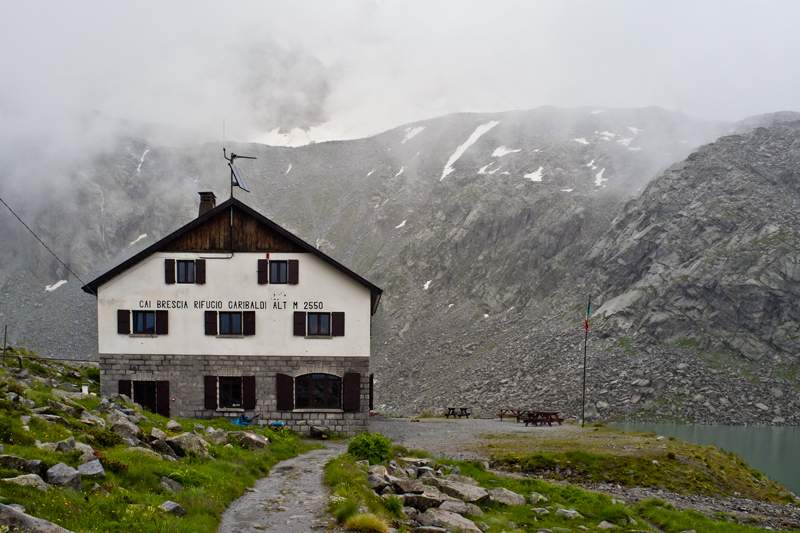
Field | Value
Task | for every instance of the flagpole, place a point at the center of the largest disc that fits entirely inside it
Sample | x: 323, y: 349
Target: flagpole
x: 585, y: 342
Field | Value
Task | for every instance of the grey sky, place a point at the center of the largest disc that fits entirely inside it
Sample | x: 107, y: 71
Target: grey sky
x: 356, y: 68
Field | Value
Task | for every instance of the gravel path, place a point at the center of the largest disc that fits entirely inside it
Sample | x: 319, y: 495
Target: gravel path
x: 292, y: 499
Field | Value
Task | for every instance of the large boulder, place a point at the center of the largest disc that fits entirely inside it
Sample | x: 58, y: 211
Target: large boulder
x: 157, y: 434
x: 457, y: 506
x: 66, y: 445
x: 170, y: 484
x: 63, y: 409
x: 92, y: 469
x: 461, y: 479
x: 174, y: 426
x: 126, y: 429
x: 92, y: 420
x: 424, y: 501
x: 173, y: 508
x: 506, y: 497
x: 15, y: 520
x: 12, y: 462
x: 248, y: 439
x: 29, y: 480
x: 189, y: 444
x: 64, y: 476
x: 163, y: 448
x: 53, y: 419
x: 462, y: 491
x: 447, y: 520
x: 218, y: 436
x: 404, y: 486
x: 144, y: 451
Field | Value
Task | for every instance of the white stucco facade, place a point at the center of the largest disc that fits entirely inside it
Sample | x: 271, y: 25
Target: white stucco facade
x: 232, y: 285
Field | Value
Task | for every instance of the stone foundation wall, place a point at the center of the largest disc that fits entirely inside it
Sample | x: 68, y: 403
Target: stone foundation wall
x: 186, y: 373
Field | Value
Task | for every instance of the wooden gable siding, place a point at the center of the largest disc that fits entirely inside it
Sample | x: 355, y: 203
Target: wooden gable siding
x: 249, y: 235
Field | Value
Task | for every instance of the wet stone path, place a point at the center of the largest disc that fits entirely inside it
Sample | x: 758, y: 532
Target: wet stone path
x: 292, y: 499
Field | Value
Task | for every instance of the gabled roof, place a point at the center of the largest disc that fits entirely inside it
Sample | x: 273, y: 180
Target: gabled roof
x: 164, y: 243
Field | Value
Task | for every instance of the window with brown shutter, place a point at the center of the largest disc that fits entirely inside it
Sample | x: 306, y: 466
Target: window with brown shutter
x: 123, y: 321
x: 211, y: 322
x: 125, y: 387
x: 337, y: 324
x: 169, y: 271
x: 284, y: 392
x: 300, y: 323
x: 210, y: 393
x: 162, y: 398
x: 200, y: 271
x: 352, y: 391
x: 294, y: 271
x: 162, y: 322
x: 248, y: 323
x: 262, y: 270
x: 248, y: 392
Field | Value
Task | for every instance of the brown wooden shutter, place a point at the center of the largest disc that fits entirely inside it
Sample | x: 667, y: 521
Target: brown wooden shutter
x: 211, y: 322
x: 371, y: 390
x: 123, y: 322
x: 125, y: 387
x: 352, y: 391
x: 300, y: 323
x: 162, y: 398
x: 249, y: 322
x: 169, y: 271
x: 210, y: 394
x: 294, y: 272
x: 337, y: 324
x: 200, y: 271
x: 162, y: 322
x: 263, y: 271
x: 248, y: 392
x: 285, y: 392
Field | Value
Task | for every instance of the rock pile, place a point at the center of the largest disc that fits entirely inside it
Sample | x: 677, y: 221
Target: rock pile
x: 435, y: 502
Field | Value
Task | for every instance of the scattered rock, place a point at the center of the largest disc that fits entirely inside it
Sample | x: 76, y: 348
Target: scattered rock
x: 172, y: 508
x: 506, y: 497
x: 170, y: 485
x: 606, y: 525
x: 447, y: 520
x: 16, y: 520
x: 29, y: 480
x: 189, y: 444
x: 64, y: 476
x: 92, y: 469
x: 174, y: 426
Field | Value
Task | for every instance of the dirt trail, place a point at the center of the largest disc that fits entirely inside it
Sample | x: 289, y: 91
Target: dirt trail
x: 292, y: 499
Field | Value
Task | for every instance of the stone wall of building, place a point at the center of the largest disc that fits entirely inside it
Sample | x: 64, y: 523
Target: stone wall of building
x: 186, y: 374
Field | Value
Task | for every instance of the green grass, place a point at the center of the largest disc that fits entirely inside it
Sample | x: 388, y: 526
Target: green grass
x: 671, y: 520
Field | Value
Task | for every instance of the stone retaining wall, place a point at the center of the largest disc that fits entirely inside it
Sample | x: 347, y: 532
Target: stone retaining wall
x: 185, y: 374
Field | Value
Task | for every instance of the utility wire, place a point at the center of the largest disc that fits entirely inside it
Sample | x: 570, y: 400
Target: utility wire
x: 43, y: 244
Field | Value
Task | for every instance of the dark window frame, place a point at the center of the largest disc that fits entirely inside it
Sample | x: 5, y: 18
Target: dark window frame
x: 135, y: 322
x: 317, y: 328
x: 226, y: 321
x: 318, y: 391
x: 189, y: 273
x: 279, y: 272
x: 229, y: 390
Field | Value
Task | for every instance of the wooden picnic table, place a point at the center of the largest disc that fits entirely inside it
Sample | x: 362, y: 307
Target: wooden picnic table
x: 511, y: 413
x: 540, y: 418
x: 457, y: 412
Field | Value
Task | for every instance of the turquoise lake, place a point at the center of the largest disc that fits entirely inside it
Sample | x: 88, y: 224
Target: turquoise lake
x: 772, y: 450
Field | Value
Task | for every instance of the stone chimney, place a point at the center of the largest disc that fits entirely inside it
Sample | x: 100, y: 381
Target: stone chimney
x: 208, y: 201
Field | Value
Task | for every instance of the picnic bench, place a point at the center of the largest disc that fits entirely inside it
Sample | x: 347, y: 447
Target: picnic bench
x: 540, y: 418
x: 457, y: 412
x: 510, y: 413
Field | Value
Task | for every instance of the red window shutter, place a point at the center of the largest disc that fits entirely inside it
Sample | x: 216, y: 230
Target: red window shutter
x: 200, y: 271
x: 210, y: 394
x: 294, y: 272
x: 162, y: 398
x: 300, y: 323
x: 169, y: 271
x: 211, y: 322
x: 248, y: 392
x: 249, y: 323
x: 263, y: 271
x: 125, y: 387
x: 162, y: 322
x: 352, y: 391
x: 123, y: 322
x: 337, y: 324
x: 285, y: 392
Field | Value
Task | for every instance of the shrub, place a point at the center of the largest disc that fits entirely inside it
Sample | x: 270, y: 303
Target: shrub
x: 110, y: 464
x: 394, y: 506
x: 11, y: 432
x: 366, y: 522
x: 343, y: 508
x: 372, y: 446
x: 671, y: 456
x: 104, y: 439
x: 93, y: 373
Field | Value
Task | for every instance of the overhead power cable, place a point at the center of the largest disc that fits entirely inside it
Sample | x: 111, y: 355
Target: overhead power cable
x: 43, y: 244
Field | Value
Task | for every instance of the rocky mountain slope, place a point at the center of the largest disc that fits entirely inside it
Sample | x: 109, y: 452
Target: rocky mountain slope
x: 487, y: 232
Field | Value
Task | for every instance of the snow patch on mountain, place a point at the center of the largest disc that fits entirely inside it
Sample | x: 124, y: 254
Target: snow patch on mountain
x: 400, y: 225
x: 480, y: 130
x: 500, y: 151
x: 411, y: 132
x: 625, y: 142
x: 141, y: 161
x: 607, y: 135
x: 371, y: 171
x: 139, y: 238
x: 635, y: 130
x: 581, y: 140
x: 401, y: 171
x: 288, y: 169
x: 535, y: 176
x: 427, y: 284
x: 485, y: 170
x: 591, y: 165
x: 599, y: 179
x: 54, y: 286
